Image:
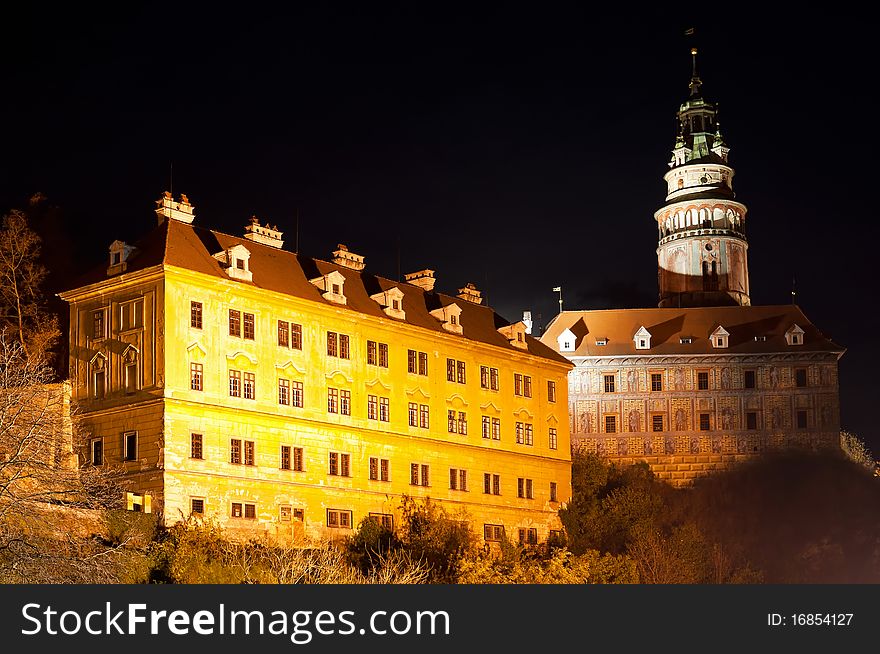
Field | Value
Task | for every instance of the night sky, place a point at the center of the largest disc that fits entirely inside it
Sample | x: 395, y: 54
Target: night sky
x: 516, y: 150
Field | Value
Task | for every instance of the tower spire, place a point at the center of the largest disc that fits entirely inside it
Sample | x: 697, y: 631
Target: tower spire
x: 695, y: 80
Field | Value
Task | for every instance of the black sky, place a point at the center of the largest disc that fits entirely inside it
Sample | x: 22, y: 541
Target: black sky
x: 519, y: 150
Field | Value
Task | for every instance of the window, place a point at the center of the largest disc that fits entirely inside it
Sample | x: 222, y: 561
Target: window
x: 249, y: 326
x: 97, y: 452
x: 196, y: 450
x: 751, y: 420
x: 749, y: 379
x: 455, y: 371
x: 493, y: 379
x: 462, y: 423
x: 656, y: 381
x: 657, y: 423
x: 195, y: 315
x: 131, y: 315
x: 524, y: 488
x: 489, y: 378
x: 340, y: 464
x: 332, y: 400
x: 519, y: 433
x: 283, y: 333
x: 372, y: 407
x: 417, y: 362
x: 800, y: 377
x: 372, y: 353
x: 234, y: 383
x: 527, y: 385
x: 250, y: 386
x: 249, y: 453
x: 419, y: 474
x: 332, y: 344
x: 484, y: 376
x: 296, y: 343
x: 291, y: 458
x: 528, y: 536
x: 496, y: 429
x: 487, y: 427
x: 130, y: 376
x: 196, y: 376
x: 100, y: 383
x: 609, y: 383
x: 704, y: 422
x: 345, y: 403
x: 702, y: 381
x: 517, y: 384
x: 296, y: 394
x: 284, y: 513
x: 244, y: 510
x: 130, y: 443
x: 234, y: 322
x: 235, y: 451
x: 551, y: 390
x: 284, y: 392
x: 413, y: 414
x: 344, y: 351
x: 423, y: 416
x: 491, y: 484
x: 493, y: 533
x: 379, y: 469
x: 457, y: 479
x: 552, y: 438
x: 529, y: 434
x: 197, y: 506
x: 801, y: 419
x: 384, y: 520
x: 610, y: 424
x: 377, y: 354
x: 553, y: 495
x: 452, y: 427
x: 338, y: 519
x: 99, y: 323
x: 384, y: 409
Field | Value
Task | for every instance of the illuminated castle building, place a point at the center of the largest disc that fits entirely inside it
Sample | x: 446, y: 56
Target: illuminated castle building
x: 706, y: 379
x: 277, y: 393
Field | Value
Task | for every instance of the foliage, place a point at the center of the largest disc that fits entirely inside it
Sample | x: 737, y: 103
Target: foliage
x: 855, y: 450
x: 428, y: 533
x: 559, y: 567
x: 22, y: 301
x: 199, y: 552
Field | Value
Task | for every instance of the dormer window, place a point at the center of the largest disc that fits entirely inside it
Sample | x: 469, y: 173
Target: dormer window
x: 686, y: 340
x: 515, y: 335
x: 720, y: 338
x: 333, y: 285
x: 120, y: 251
x: 794, y: 335
x: 601, y: 341
x: 760, y: 339
x: 236, y: 262
x: 392, y: 302
x: 642, y: 339
x: 450, y: 317
x: 566, y: 341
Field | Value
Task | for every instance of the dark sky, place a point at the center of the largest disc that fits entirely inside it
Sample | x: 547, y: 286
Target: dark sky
x: 516, y: 149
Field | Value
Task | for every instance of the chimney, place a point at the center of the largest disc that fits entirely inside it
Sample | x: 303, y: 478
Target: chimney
x: 343, y: 257
x: 181, y: 211
x: 470, y: 293
x: 424, y: 279
x: 266, y: 235
x: 527, y: 321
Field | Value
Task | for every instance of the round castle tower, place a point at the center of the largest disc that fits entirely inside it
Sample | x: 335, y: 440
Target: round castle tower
x: 702, y: 247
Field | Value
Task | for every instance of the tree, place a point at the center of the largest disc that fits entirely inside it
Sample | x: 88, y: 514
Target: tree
x: 49, y: 507
x: 22, y: 302
x: 855, y: 450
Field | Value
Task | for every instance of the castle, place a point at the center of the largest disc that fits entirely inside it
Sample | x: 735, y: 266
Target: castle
x: 280, y: 394
x: 705, y: 379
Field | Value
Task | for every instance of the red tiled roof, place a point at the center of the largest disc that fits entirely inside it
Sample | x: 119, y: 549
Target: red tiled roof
x: 668, y: 325
x: 186, y: 246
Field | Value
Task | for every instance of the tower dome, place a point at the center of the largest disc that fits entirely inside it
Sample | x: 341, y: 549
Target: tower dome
x: 702, y: 247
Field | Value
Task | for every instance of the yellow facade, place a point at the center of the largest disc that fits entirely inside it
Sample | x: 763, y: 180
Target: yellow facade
x: 258, y: 493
